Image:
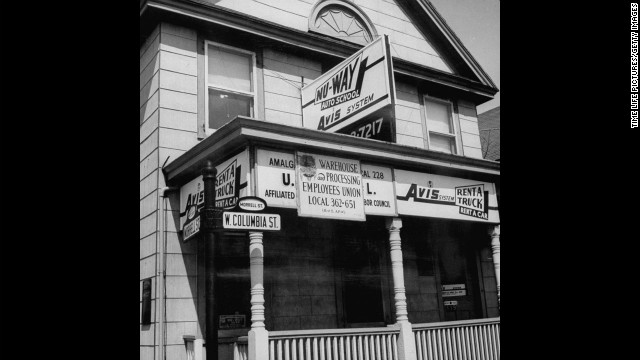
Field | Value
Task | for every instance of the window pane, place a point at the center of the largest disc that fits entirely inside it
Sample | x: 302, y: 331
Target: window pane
x: 224, y: 107
x: 441, y: 143
x: 230, y: 70
x: 438, y: 117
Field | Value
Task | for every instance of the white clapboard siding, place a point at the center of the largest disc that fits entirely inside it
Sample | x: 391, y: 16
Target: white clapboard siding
x: 149, y: 145
x: 408, y: 128
x: 283, y: 103
x: 290, y: 13
x: 176, y: 245
x: 408, y: 43
x: 387, y: 17
x: 147, y: 335
x: 147, y: 227
x: 175, y: 332
x: 148, y: 204
x: 470, y: 134
x: 470, y: 127
x: 181, y: 264
x: 181, y: 309
x: 410, y: 114
x: 178, y: 91
x: 179, y: 63
x: 149, y: 164
x: 409, y: 125
x: 279, y: 117
x: 408, y: 140
x: 178, y: 120
x: 147, y: 246
x: 149, y: 89
x: 149, y: 126
x: 149, y: 107
x: 283, y: 75
x: 178, y: 82
x: 177, y: 139
x: 276, y: 85
x: 147, y: 267
x: 149, y: 50
x: 150, y: 70
x: 471, y: 140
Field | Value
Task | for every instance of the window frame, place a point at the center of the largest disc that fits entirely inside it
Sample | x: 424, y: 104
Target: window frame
x: 453, y: 123
x: 254, y: 81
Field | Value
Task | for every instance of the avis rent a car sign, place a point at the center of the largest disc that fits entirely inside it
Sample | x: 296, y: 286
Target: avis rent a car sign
x: 354, y: 89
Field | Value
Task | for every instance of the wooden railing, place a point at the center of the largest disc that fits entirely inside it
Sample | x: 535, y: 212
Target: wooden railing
x: 241, y: 349
x: 453, y: 340
x: 334, y: 344
x: 458, y: 340
x: 193, y: 347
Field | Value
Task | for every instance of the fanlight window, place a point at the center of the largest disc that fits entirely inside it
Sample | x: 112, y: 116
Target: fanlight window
x: 342, y: 20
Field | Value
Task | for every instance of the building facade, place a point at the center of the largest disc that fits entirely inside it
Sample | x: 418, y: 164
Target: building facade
x: 387, y: 240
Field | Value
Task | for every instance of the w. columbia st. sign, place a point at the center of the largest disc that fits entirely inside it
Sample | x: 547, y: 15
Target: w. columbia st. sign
x: 354, y: 89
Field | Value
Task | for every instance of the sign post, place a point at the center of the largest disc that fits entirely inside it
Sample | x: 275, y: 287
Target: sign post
x: 207, y: 222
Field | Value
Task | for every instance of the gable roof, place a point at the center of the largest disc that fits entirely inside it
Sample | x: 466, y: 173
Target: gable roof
x: 469, y: 77
x: 452, y: 44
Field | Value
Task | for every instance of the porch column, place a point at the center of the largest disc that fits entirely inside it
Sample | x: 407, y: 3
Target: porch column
x: 494, y: 232
x: 258, y: 335
x: 406, y: 340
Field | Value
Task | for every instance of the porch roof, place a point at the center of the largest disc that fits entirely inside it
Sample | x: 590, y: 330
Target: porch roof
x: 243, y: 131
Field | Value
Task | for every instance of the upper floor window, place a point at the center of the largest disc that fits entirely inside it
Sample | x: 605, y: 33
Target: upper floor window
x: 441, y: 128
x: 231, y: 84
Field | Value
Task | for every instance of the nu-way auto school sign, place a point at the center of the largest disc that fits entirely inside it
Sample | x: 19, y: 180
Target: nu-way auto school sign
x: 354, y: 89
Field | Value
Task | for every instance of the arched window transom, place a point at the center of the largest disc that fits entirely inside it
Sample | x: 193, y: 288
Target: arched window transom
x: 342, y: 20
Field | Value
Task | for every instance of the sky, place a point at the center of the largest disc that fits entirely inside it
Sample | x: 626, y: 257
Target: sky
x: 477, y: 25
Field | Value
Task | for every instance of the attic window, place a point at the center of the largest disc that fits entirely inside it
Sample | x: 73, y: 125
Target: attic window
x: 342, y: 20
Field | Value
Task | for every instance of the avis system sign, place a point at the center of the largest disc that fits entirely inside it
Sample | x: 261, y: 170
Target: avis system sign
x: 354, y: 89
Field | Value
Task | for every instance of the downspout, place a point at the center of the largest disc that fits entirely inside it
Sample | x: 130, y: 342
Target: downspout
x: 161, y: 275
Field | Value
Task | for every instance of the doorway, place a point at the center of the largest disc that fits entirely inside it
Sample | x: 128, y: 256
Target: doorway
x: 360, y: 274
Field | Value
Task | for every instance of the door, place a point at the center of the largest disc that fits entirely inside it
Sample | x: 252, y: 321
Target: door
x: 458, y: 271
x: 360, y: 279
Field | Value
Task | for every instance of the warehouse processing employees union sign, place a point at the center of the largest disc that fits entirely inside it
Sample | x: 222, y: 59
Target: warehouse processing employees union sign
x: 354, y: 89
x: 329, y: 187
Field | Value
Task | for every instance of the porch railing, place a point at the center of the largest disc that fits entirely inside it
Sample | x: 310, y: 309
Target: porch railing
x: 334, y: 344
x: 458, y: 340
x: 241, y: 349
x: 454, y: 340
x: 193, y: 347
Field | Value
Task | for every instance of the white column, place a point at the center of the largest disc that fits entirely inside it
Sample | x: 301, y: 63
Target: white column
x: 495, y: 248
x: 406, y: 340
x: 258, y: 335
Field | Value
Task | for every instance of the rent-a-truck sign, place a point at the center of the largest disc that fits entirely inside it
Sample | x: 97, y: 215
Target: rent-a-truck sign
x: 356, y: 88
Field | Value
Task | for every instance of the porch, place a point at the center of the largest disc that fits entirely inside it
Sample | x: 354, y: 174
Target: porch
x: 455, y: 340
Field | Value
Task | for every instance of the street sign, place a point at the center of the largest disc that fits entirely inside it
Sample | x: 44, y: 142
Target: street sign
x: 250, y: 221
